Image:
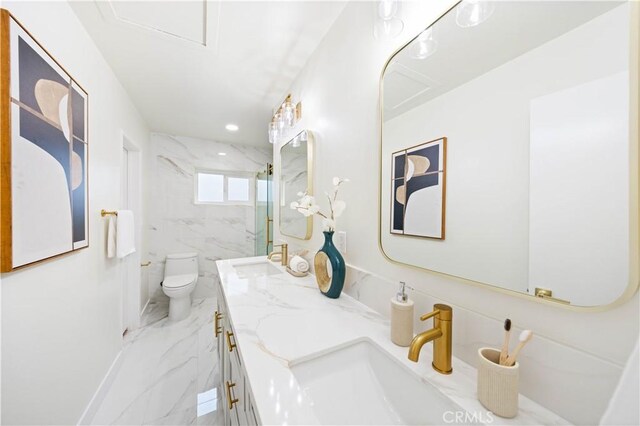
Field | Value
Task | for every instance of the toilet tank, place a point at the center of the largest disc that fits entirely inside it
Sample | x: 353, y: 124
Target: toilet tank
x: 181, y: 263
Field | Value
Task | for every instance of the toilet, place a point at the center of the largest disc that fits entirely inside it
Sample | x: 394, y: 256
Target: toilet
x: 180, y: 278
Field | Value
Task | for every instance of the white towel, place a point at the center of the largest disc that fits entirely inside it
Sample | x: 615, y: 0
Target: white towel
x: 111, y: 237
x: 125, y: 240
x: 298, y: 264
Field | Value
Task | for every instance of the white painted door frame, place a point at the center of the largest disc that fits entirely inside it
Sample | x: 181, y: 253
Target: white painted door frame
x: 132, y: 200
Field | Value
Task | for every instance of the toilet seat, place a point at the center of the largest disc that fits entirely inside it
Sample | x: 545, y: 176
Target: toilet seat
x: 178, y: 281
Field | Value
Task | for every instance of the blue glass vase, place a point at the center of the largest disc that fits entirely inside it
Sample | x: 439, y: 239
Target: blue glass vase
x: 330, y: 286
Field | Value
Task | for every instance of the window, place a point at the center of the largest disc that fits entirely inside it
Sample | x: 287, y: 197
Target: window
x: 237, y: 189
x: 210, y: 188
x: 232, y: 188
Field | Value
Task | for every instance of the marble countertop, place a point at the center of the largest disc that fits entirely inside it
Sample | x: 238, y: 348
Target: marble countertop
x: 280, y: 318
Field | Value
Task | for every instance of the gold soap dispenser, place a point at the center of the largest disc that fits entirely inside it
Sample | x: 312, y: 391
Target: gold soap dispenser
x: 401, y: 317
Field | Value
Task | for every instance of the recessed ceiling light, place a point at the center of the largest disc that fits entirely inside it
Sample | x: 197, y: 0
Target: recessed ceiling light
x: 222, y: 153
x: 232, y: 127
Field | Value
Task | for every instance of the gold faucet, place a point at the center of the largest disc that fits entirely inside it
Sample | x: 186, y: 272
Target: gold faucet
x: 284, y: 253
x: 440, y: 334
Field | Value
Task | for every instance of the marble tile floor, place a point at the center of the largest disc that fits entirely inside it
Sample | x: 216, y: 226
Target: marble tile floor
x: 169, y: 373
x: 156, y: 310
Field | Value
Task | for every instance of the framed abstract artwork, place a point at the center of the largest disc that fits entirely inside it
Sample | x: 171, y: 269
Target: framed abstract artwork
x: 43, y: 153
x: 418, y: 188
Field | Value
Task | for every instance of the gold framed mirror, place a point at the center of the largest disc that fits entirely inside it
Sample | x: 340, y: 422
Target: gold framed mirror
x: 296, y: 176
x: 541, y: 155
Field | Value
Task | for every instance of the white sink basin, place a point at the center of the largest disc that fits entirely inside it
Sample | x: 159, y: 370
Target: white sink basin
x: 362, y: 384
x: 258, y: 269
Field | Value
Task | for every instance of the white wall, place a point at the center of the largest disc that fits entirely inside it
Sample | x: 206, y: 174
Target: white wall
x: 178, y: 225
x: 573, y: 363
x: 61, y: 319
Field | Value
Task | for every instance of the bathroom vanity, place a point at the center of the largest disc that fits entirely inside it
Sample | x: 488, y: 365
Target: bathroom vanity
x: 238, y: 406
x: 289, y: 355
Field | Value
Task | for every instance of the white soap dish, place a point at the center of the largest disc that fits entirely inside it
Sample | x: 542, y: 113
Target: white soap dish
x: 297, y: 274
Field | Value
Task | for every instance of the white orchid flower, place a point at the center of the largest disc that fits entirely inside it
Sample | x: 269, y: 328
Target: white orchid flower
x: 307, y: 201
x: 338, y: 208
x: 337, y: 181
x: 307, y: 206
x: 303, y: 202
x: 306, y: 212
x: 329, y: 224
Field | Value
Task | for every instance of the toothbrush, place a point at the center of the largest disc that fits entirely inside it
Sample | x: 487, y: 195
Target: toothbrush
x: 505, y: 345
x: 525, y: 336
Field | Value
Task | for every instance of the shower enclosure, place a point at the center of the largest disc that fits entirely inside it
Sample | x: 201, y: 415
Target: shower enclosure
x: 264, y: 211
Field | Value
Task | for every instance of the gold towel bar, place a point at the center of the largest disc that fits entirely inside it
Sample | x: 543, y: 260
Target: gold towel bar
x: 104, y: 212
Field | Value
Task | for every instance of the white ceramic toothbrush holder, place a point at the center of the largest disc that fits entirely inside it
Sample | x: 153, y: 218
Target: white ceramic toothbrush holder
x: 497, y: 384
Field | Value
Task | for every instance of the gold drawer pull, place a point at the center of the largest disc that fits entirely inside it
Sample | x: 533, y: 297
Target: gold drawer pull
x: 229, y: 344
x: 230, y: 400
x: 216, y: 327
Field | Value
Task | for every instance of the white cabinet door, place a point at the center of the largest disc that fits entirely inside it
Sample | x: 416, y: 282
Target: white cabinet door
x: 251, y: 415
x: 237, y: 378
x: 235, y: 386
x: 219, y: 325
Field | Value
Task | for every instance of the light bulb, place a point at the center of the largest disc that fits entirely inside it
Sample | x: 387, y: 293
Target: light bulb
x: 288, y: 113
x: 279, y: 120
x: 425, y: 35
x: 387, y: 9
x: 388, y: 29
x: 425, y: 45
x: 273, y: 132
x: 470, y: 13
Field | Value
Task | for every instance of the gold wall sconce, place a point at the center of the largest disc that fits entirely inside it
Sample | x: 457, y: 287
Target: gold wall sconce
x: 287, y: 115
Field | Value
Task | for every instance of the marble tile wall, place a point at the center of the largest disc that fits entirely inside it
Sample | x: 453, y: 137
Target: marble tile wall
x: 177, y: 225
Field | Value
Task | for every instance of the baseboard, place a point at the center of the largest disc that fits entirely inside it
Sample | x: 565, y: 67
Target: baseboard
x: 101, y: 392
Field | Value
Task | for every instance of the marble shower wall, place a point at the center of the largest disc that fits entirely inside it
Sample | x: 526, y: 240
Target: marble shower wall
x: 177, y: 224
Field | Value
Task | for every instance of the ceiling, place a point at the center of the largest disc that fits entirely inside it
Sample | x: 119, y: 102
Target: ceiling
x: 463, y: 54
x: 191, y: 67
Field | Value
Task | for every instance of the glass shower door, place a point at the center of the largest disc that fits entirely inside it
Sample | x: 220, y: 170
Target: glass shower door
x: 264, y: 211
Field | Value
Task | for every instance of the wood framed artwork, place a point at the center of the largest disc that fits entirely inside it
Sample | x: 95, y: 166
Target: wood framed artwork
x: 43, y: 152
x: 418, y: 190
